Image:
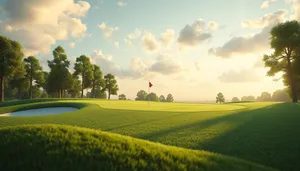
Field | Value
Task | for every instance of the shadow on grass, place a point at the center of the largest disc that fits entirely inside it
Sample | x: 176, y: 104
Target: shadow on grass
x: 269, y: 136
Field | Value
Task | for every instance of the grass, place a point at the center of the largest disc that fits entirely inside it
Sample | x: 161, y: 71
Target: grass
x: 52, y: 147
x: 265, y: 133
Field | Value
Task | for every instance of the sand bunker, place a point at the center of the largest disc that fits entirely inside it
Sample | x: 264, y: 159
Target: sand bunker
x: 41, y: 112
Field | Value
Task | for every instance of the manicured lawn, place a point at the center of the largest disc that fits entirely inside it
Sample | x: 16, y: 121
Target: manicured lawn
x: 52, y: 147
x: 265, y: 133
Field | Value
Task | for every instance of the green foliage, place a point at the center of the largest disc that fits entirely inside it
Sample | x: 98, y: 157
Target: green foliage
x: 11, y: 55
x: 98, y: 81
x: 141, y: 95
x: 162, y: 98
x: 75, y: 86
x: 111, y: 85
x: 122, y: 97
x: 235, y: 99
x: 248, y: 99
x: 264, y: 97
x: 152, y: 97
x: 87, y: 149
x: 170, y: 98
x: 220, y: 98
x: 84, y: 68
x: 280, y: 96
x: 285, y: 40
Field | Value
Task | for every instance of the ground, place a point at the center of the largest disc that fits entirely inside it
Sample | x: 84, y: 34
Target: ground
x: 264, y: 133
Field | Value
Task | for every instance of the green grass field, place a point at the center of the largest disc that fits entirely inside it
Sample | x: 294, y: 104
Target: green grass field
x: 264, y: 133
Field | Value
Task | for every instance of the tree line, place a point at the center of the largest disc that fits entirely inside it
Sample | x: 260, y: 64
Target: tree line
x: 24, y: 78
x: 142, y: 95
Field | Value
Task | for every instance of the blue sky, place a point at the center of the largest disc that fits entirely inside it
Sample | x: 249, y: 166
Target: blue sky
x: 209, y: 46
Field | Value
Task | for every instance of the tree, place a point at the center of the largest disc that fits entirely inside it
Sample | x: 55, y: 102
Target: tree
x: 248, y: 98
x: 97, y: 81
x: 280, y: 96
x: 170, y: 98
x: 141, y: 95
x: 33, y: 72
x: 58, y: 79
x: 110, y: 85
x: 265, y: 97
x: 162, y: 98
x: 285, y: 40
x: 11, y: 55
x: 152, y: 97
x: 83, y: 67
x: 75, y: 87
x: 220, y: 98
x: 122, y: 97
x: 235, y: 99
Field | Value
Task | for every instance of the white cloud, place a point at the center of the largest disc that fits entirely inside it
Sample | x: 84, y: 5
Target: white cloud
x: 72, y: 44
x: 121, y: 4
x: 258, y: 42
x: 150, y: 44
x: 136, y: 34
x: 167, y: 38
x: 213, y: 25
x: 196, y: 33
x: 165, y: 64
x: 245, y: 75
x: 39, y: 24
x: 267, y: 19
x: 128, y: 42
x: 116, y: 44
x: 267, y: 3
x: 108, y: 31
x: 295, y: 9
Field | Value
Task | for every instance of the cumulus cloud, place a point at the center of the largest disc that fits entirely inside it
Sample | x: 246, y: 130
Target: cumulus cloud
x: 121, y: 4
x: 39, y: 24
x: 167, y: 38
x: 245, y: 75
x: 136, y: 34
x: 249, y: 44
x: 196, y: 33
x: 108, y: 31
x: 267, y: 3
x: 267, y: 19
x: 295, y: 9
x: 72, y: 44
x: 165, y: 64
x: 150, y: 44
x: 116, y: 44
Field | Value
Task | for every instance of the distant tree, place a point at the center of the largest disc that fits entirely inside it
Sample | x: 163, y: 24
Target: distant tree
x: 58, y: 79
x: 248, y: 98
x: 33, y: 72
x: 170, y: 98
x: 83, y: 67
x: 122, y: 97
x: 97, y: 81
x: 11, y: 56
x: 36, y: 92
x: 265, y: 97
x: 162, y: 98
x: 235, y: 99
x: 19, y: 81
x: 280, y: 96
x: 111, y: 85
x: 285, y: 39
x: 141, y: 95
x: 220, y: 98
x: 75, y: 86
x: 152, y: 97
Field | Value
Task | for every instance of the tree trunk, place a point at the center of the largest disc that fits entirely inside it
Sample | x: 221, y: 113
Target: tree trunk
x: 109, y: 94
x: 30, y: 89
x: 2, y: 79
x: 19, y: 92
x: 61, y: 93
x: 82, y: 86
x: 93, y: 89
x: 292, y: 81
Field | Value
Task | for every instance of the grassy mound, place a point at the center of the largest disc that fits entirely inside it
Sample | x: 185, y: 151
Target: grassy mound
x: 54, y: 147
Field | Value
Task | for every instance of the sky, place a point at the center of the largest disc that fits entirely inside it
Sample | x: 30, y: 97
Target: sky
x: 192, y: 49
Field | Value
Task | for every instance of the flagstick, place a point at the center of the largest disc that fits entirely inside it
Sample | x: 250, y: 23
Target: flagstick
x: 148, y: 93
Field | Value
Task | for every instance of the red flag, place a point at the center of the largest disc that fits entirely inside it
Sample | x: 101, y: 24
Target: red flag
x: 150, y: 85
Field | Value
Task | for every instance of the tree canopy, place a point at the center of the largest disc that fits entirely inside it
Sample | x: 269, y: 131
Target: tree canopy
x: 111, y: 85
x: 83, y: 67
x: 220, y: 98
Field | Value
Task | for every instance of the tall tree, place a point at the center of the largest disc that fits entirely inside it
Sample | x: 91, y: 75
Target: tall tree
x: 11, y: 56
x: 162, y: 98
x: 20, y: 81
x: 58, y: 79
x: 170, y: 98
x: 110, y: 85
x: 83, y: 67
x: 97, y: 80
x: 33, y: 72
x: 141, y: 95
x: 285, y: 40
x: 220, y: 98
